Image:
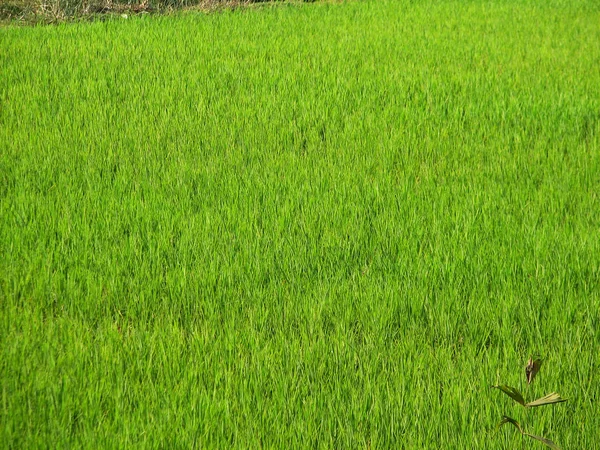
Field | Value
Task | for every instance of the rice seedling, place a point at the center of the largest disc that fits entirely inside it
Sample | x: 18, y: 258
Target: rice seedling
x: 325, y: 225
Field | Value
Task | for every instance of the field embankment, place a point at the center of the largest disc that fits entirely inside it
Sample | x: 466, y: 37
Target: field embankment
x: 56, y: 11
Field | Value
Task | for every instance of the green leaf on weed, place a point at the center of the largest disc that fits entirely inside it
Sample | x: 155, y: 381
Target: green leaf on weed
x: 507, y: 419
x: 516, y: 424
x: 543, y: 440
x: 512, y: 393
x: 546, y: 400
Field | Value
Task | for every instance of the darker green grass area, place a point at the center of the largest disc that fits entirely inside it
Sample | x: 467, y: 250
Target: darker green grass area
x: 311, y: 225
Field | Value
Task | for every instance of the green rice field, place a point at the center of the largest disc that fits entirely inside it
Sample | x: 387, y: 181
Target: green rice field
x: 326, y: 225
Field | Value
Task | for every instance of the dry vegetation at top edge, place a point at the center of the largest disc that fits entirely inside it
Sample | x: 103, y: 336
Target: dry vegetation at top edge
x: 51, y: 11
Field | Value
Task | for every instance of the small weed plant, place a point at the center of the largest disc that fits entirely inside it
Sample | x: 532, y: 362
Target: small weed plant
x: 531, y: 370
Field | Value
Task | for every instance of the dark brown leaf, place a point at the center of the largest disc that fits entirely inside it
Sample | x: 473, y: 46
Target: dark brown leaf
x: 532, y: 368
